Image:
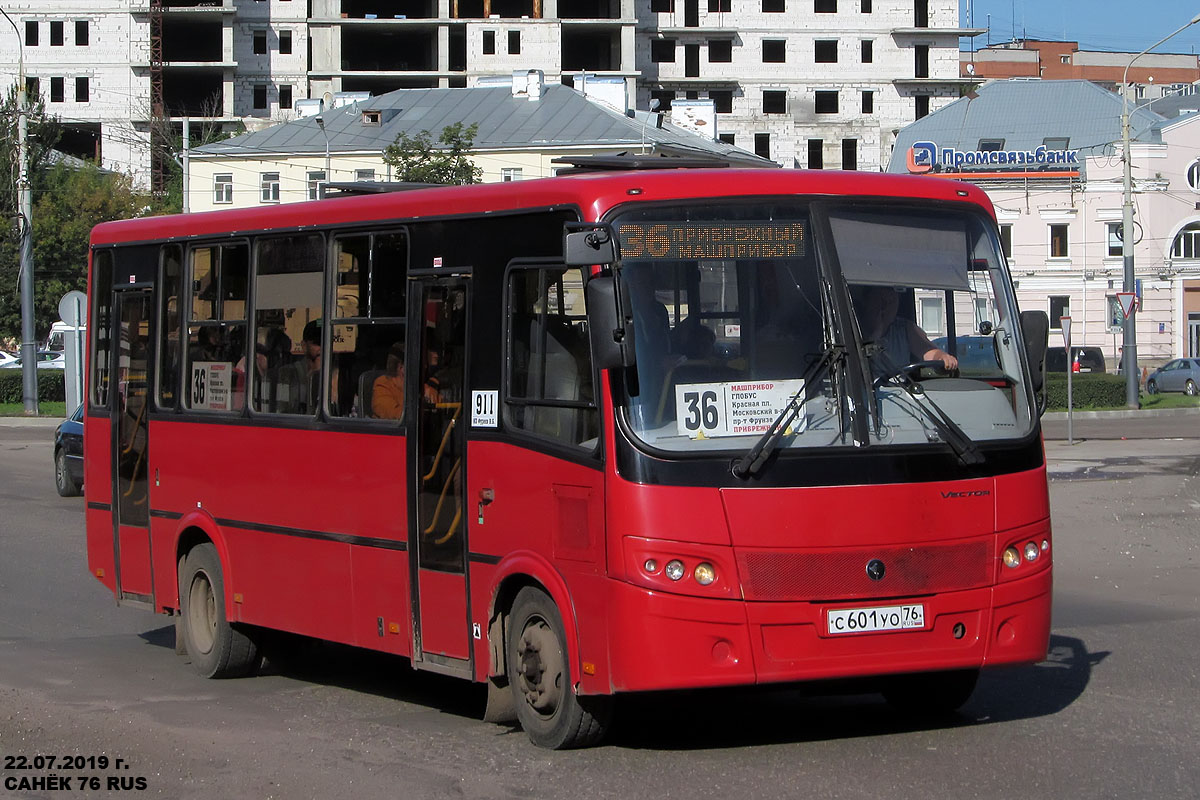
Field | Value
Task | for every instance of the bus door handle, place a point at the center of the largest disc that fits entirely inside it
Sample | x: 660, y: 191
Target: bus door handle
x: 486, y: 497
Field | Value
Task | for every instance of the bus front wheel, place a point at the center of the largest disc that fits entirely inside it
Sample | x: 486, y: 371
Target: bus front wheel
x: 549, y: 710
x: 931, y: 693
x: 216, y: 648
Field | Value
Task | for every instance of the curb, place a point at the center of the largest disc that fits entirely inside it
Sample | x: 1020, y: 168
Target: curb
x: 30, y: 422
x: 1126, y: 413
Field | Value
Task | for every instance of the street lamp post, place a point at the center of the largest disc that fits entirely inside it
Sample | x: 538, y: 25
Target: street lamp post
x: 1129, y: 283
x: 28, y: 345
x: 321, y: 125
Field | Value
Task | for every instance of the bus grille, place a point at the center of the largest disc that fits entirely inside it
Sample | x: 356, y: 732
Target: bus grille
x: 842, y: 574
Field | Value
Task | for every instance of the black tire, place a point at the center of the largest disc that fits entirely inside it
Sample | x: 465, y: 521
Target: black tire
x: 1190, y: 389
x: 63, y: 482
x: 549, y: 711
x: 216, y: 648
x: 1151, y: 387
x: 930, y: 694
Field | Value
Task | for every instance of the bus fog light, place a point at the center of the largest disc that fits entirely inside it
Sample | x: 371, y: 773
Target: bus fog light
x: 1012, y: 557
x: 674, y: 569
x: 1032, y: 551
x: 704, y: 574
x: 650, y: 566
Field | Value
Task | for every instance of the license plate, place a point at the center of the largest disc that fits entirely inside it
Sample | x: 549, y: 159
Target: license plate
x: 880, y: 618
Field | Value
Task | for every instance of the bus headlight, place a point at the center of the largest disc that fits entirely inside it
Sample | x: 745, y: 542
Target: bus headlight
x: 1032, y: 551
x: 704, y: 573
x: 1012, y: 557
x: 674, y: 569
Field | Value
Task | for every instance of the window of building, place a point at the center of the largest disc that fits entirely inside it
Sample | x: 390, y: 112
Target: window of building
x: 826, y: 102
x: 1116, y: 247
x: 548, y: 388
x: 921, y: 105
x: 722, y: 100
x: 932, y: 320
x: 1060, y: 306
x: 691, y: 63
x: 289, y: 334
x: 762, y: 145
x: 56, y: 33
x: 825, y: 6
x: 850, y: 154
x: 1193, y: 175
x: 662, y: 6
x: 662, y: 50
x: 774, y: 101
x: 868, y: 102
x: 489, y: 43
x: 82, y: 94
x: 56, y: 90
x: 81, y: 33
x: 1064, y: 59
x: 727, y: 138
x: 285, y: 96
x: 1057, y: 142
x: 269, y: 187
x: 990, y: 145
x: 865, y: 6
x: 316, y: 182
x: 514, y: 43
x: 260, y: 95
x: 720, y: 51
x: 32, y: 87
x: 1059, y: 247
x: 223, y: 188
x: 816, y: 154
x: 774, y: 51
x: 285, y: 43
x: 31, y: 33
x: 868, y: 51
x: 664, y: 98
x: 720, y: 6
x: 368, y: 337
x: 921, y: 60
x: 774, y: 6
x: 1187, y: 243
x: 921, y: 13
x: 510, y: 174
x: 825, y: 51
x: 216, y: 326
x: 260, y: 43
x: 364, y: 174
x: 1006, y: 240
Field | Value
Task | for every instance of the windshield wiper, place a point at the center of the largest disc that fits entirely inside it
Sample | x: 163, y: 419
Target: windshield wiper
x: 948, y: 430
x: 756, y: 456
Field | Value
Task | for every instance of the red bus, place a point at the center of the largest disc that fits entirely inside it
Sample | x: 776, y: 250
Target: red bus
x: 593, y: 434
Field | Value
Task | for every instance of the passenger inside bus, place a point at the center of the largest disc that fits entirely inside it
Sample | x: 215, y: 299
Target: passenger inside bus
x: 387, y: 391
x: 902, y: 341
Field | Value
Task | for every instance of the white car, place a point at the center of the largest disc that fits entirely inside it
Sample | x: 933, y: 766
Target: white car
x: 6, y: 358
x: 46, y: 359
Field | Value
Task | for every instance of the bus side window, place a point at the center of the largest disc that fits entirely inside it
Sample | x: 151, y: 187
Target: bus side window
x: 102, y: 282
x: 216, y: 326
x: 169, y: 317
x: 289, y: 332
x: 549, y: 389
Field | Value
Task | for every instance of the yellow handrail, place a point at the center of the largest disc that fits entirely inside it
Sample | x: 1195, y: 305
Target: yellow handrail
x: 437, y: 510
x: 437, y: 459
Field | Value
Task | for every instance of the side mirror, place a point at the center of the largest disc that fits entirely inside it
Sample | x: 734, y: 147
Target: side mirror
x: 610, y: 322
x: 1035, y: 330
x: 584, y: 248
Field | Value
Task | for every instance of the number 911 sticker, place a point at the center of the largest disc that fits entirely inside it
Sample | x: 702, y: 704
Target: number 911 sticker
x: 745, y: 408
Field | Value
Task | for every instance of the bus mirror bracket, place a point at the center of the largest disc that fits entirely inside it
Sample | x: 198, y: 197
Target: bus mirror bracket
x: 610, y: 321
x: 587, y: 243
x: 1035, y: 330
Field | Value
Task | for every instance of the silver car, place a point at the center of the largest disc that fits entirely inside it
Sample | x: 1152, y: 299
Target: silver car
x: 1180, y: 375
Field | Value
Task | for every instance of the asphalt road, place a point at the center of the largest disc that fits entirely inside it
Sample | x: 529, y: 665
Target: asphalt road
x: 1111, y: 713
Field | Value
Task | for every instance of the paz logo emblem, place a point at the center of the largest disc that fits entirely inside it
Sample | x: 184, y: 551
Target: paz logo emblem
x: 875, y: 569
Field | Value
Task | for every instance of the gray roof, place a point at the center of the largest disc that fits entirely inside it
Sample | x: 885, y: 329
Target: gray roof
x: 1026, y: 112
x: 1175, y: 105
x: 561, y: 117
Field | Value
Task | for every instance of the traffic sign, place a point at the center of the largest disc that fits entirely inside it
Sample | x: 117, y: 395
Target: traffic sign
x: 1066, y: 331
x: 1126, y: 299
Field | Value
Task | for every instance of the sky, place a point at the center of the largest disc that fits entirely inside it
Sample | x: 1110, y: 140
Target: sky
x: 1121, y: 25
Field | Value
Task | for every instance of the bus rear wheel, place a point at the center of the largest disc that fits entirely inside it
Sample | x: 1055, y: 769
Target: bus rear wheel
x: 549, y: 710
x: 930, y: 694
x: 216, y: 648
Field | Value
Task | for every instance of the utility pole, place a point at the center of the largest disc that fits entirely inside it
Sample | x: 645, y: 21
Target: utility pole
x: 28, y: 344
x: 187, y: 153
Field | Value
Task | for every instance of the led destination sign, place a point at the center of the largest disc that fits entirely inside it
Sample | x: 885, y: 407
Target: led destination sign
x: 694, y: 241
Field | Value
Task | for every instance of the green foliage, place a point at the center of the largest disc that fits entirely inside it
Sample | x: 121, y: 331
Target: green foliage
x: 49, y: 381
x: 419, y: 159
x: 43, y: 132
x: 1088, y: 390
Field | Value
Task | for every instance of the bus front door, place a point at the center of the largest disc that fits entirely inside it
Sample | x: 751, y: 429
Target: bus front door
x: 131, y: 522
x: 438, y: 526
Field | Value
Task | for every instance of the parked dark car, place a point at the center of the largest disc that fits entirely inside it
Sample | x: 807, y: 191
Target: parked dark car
x: 1180, y: 375
x: 1091, y: 359
x: 68, y: 454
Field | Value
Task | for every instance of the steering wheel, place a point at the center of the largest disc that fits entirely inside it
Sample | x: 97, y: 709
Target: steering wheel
x: 913, y: 369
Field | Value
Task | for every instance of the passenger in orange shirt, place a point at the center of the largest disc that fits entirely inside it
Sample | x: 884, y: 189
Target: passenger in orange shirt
x: 387, y: 393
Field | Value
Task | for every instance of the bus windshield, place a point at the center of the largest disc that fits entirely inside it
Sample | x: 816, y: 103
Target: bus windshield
x: 736, y: 314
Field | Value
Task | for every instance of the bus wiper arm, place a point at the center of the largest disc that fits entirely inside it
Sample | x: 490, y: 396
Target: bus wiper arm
x: 756, y: 456
x: 963, y: 445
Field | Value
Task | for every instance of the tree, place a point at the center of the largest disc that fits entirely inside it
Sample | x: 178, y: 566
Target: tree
x: 418, y: 159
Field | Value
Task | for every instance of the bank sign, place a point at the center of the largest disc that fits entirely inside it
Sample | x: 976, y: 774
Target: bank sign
x: 926, y: 157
